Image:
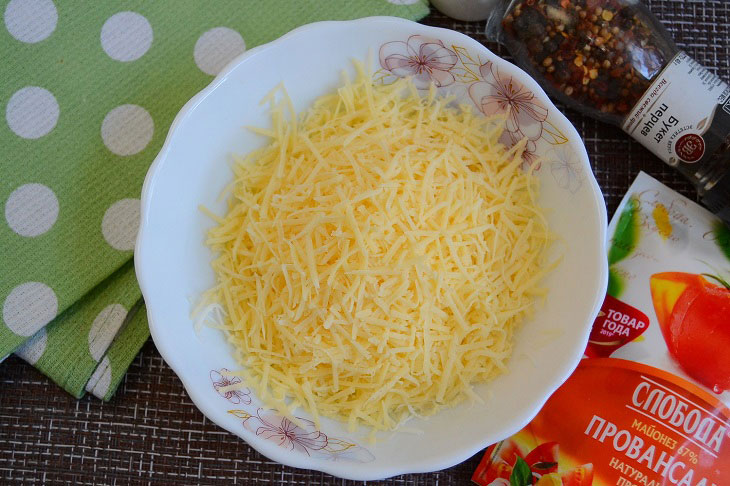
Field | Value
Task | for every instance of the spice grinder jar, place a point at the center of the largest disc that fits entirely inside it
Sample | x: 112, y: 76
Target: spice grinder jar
x: 614, y: 61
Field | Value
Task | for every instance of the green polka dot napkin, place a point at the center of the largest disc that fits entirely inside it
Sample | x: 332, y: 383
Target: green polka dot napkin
x: 88, y: 91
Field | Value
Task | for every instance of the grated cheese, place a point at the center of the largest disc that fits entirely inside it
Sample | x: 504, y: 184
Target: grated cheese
x: 378, y: 255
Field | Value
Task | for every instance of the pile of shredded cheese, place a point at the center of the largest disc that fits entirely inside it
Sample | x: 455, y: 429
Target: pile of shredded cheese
x: 377, y: 255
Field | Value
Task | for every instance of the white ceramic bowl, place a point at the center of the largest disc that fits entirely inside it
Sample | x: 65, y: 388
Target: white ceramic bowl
x: 173, y: 268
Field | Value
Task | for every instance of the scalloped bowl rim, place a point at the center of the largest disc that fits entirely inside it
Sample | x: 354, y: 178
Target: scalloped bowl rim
x: 267, y: 448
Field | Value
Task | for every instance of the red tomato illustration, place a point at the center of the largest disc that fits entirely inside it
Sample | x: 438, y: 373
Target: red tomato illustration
x: 578, y: 476
x: 543, y: 459
x: 693, y: 316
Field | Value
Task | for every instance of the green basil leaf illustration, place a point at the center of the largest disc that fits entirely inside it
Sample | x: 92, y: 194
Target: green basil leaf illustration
x: 626, y: 236
x: 616, y: 284
x: 521, y: 474
x: 722, y: 237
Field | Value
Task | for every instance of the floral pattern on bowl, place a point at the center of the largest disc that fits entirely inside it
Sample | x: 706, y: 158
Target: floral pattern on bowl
x: 565, y: 169
x: 453, y: 69
x: 173, y: 264
x: 224, y: 385
x: 302, y: 437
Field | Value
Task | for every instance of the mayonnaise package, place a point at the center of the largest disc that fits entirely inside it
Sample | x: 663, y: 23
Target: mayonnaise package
x: 649, y: 403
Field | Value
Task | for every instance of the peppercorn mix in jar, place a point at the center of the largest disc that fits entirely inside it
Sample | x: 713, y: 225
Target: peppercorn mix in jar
x: 614, y: 61
x: 602, y: 56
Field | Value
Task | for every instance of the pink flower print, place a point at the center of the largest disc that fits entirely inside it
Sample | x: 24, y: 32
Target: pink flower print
x: 565, y: 169
x: 499, y: 94
x: 234, y: 396
x: 424, y: 58
x: 286, y: 433
x: 530, y: 156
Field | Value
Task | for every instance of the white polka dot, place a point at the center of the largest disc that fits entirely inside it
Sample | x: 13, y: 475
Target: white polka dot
x: 31, y: 21
x: 32, y: 112
x: 104, y: 328
x: 28, y: 307
x: 120, y: 224
x: 126, y: 36
x: 216, y: 48
x: 31, y: 209
x: 403, y: 2
x: 127, y: 129
x: 101, y: 379
x: 34, y: 347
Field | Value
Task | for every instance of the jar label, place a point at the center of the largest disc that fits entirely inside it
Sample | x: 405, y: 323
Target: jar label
x: 680, y: 115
